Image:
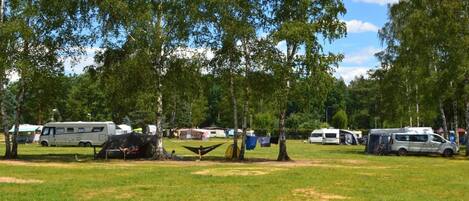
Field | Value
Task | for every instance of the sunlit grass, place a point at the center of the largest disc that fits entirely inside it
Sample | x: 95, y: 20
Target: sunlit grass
x: 320, y: 171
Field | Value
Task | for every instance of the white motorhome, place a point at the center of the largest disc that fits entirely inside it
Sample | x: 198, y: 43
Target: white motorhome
x: 76, y: 133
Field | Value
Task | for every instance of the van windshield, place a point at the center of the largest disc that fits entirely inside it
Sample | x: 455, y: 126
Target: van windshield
x: 331, y: 135
x: 316, y: 134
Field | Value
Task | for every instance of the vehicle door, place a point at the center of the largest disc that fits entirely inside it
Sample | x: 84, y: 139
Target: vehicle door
x: 52, y: 140
x: 435, y: 144
x: 417, y: 143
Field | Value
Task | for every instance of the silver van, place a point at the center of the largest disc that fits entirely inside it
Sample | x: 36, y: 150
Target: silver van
x: 428, y: 143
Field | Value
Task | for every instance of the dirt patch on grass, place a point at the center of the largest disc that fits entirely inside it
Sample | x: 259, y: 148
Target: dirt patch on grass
x: 34, y: 164
x: 116, y: 193
x: 12, y: 180
x: 115, y: 164
x: 237, y: 171
x: 312, y: 194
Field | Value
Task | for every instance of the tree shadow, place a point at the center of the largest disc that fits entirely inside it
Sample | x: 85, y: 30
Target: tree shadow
x: 63, y: 158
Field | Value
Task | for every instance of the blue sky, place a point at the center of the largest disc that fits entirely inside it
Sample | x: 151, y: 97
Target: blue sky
x: 363, y: 19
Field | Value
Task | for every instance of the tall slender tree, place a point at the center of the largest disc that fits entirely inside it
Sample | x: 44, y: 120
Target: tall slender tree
x: 301, y: 24
x: 155, y: 31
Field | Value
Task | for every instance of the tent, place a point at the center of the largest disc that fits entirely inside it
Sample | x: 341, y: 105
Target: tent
x: 141, y: 145
x: 27, y: 133
x: 379, y: 140
x: 348, y: 137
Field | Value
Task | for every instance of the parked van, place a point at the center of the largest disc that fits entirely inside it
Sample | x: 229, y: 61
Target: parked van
x: 331, y: 136
x: 316, y: 136
x: 403, y: 143
x: 76, y: 133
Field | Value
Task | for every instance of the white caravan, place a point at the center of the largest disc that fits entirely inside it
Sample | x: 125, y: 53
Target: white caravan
x: 331, y: 136
x: 76, y: 133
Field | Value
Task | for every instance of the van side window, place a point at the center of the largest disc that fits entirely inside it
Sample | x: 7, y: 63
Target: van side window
x: 59, y: 130
x: 437, y: 138
x: 97, y: 129
x: 81, y: 130
x: 331, y: 135
x: 419, y: 138
x: 402, y: 137
x: 45, y: 131
x: 70, y: 130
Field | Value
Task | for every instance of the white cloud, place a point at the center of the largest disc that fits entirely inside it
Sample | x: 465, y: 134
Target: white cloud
x: 380, y: 2
x: 358, y: 26
x: 189, y: 52
x: 363, y: 56
x: 349, y: 73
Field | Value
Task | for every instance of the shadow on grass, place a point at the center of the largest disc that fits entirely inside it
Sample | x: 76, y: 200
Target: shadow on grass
x: 63, y: 158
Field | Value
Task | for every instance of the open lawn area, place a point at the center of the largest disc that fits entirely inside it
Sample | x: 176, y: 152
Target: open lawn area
x: 319, y: 172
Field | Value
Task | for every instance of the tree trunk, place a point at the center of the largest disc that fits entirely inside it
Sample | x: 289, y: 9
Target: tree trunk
x: 5, y: 119
x: 282, y: 154
x: 282, y: 139
x: 2, y: 98
x: 243, y: 142
x: 247, y: 69
x: 235, y: 115
x: 443, y: 117
x: 455, y: 119
x: 19, y: 104
x: 467, y: 127
x: 159, y: 150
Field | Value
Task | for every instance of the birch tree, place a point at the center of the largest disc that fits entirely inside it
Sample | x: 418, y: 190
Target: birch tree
x: 301, y: 24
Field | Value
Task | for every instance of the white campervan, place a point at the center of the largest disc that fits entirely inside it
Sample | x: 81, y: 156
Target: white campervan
x: 76, y: 133
x: 316, y: 136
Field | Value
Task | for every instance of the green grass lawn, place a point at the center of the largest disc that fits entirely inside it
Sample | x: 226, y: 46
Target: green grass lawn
x: 320, y: 172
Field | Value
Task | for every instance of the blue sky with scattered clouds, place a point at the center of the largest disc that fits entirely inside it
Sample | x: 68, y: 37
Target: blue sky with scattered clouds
x: 363, y: 19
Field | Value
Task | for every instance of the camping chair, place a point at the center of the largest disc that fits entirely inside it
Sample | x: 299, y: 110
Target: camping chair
x: 202, y: 150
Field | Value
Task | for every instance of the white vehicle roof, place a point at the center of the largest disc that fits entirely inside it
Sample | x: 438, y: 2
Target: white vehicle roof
x: 418, y: 130
x: 79, y: 123
x: 408, y: 130
x: 326, y: 130
x: 124, y: 127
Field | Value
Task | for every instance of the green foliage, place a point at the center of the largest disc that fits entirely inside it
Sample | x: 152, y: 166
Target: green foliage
x: 340, y: 119
x: 302, y: 121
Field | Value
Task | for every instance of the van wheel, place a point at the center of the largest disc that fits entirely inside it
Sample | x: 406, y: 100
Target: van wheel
x: 44, y: 144
x: 448, y: 153
x: 402, y: 152
x: 88, y: 144
x: 81, y: 144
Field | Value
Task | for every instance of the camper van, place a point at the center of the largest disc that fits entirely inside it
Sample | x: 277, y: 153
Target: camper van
x: 403, y: 143
x: 316, y: 136
x: 76, y: 133
x: 408, y: 140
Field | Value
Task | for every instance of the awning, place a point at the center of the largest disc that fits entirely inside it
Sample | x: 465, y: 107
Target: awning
x: 26, y: 128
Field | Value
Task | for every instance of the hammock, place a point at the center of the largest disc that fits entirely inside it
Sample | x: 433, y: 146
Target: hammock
x: 203, y: 150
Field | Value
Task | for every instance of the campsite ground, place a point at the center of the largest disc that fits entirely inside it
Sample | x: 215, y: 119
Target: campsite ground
x: 319, y: 172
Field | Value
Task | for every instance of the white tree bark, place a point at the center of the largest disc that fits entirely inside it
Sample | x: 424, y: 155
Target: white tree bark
x: 2, y: 96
